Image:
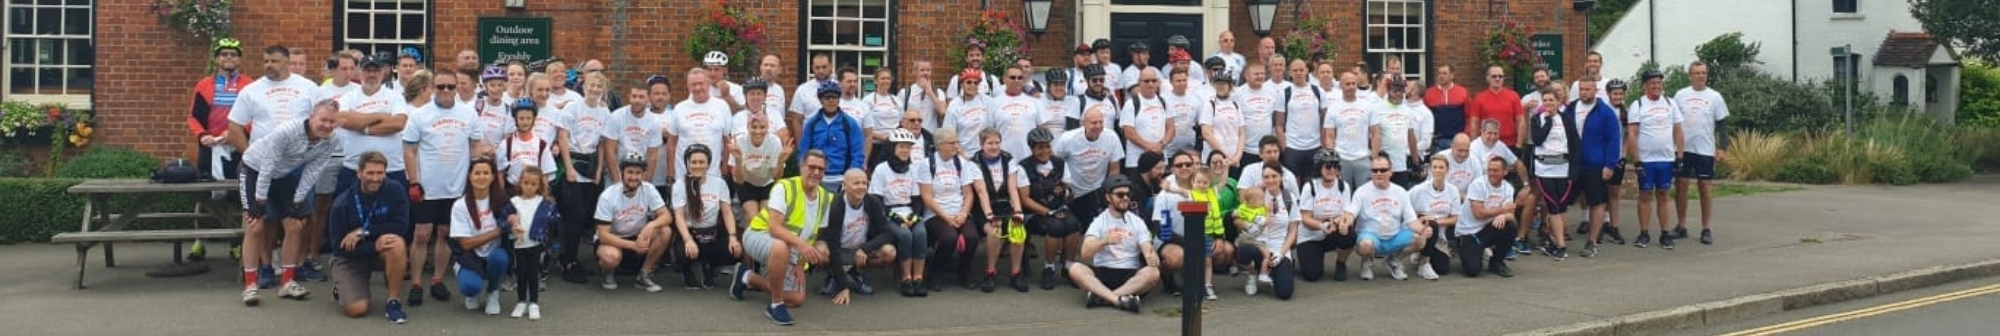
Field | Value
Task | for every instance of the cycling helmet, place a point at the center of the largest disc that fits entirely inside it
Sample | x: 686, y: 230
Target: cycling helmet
x: 1327, y: 157
x: 715, y: 58
x: 758, y: 84
x: 828, y: 88
x: 493, y: 73
x: 659, y: 79
x: 1138, y: 46
x: 226, y: 43
x: 902, y: 136
x: 1116, y: 181
x: 631, y: 160
x: 1651, y: 75
x: 1178, y: 41
x: 971, y: 74
x: 1615, y: 84
x: 413, y: 54
x: 689, y: 153
x: 1040, y: 136
x: 1100, y: 44
x: 1093, y: 70
x: 1054, y: 75
x: 525, y: 104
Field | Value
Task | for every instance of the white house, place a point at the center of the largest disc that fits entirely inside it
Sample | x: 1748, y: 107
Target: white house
x: 1802, y: 40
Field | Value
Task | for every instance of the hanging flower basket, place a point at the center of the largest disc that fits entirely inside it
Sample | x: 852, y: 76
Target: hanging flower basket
x: 206, y: 20
x: 729, y: 29
x: 998, y: 35
x: 1312, y: 40
x: 1508, y: 47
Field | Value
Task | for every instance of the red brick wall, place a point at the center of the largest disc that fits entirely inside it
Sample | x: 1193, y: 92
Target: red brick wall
x: 1459, y: 29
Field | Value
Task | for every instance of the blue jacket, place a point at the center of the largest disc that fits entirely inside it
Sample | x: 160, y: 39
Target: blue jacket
x: 545, y: 217
x: 1603, y: 137
x: 384, y: 213
x: 842, y: 142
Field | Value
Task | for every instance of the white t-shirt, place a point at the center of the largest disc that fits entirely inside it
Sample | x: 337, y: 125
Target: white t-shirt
x: 1557, y: 143
x: 328, y: 91
x: 1253, y: 177
x: 352, y: 144
x: 759, y: 161
x: 855, y: 108
x: 1258, y: 105
x: 1429, y: 201
x: 1126, y: 254
x: 1276, y: 224
x: 1110, y: 109
x: 968, y: 117
x: 1148, y: 116
x: 1602, y: 94
x: 1088, y: 160
x: 735, y: 93
x: 1349, y: 122
x: 1700, y: 111
x: 1479, y: 152
x: 987, y: 87
x: 1057, y: 117
x: 522, y: 153
x: 548, y: 119
x: 1323, y: 201
x: 628, y: 215
x: 805, y: 100
x: 1487, y: 195
x: 444, y: 139
x: 885, y: 113
x: 586, y: 126
x: 665, y: 118
x: 853, y: 224
x: 264, y: 104
x: 714, y: 197
x: 462, y: 225
x: 780, y: 205
x: 1656, y: 119
x: 1461, y: 173
x: 948, y: 183
x: 562, y: 99
x: 899, y: 191
x: 527, y: 206
x: 1302, y: 117
x: 1223, y: 119
x: 1396, y: 123
x: 774, y: 100
x: 496, y: 121
x: 1014, y: 116
x: 634, y: 134
x: 914, y: 98
x: 739, y: 123
x: 700, y: 123
x: 1383, y: 211
x: 1186, y: 111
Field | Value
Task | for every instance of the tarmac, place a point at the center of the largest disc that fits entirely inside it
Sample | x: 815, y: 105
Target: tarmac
x: 1774, y: 252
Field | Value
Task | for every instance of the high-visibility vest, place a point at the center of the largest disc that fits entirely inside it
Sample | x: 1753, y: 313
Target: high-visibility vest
x: 795, y: 219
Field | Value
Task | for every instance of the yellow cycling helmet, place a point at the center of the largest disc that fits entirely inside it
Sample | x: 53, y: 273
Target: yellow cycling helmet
x: 226, y: 43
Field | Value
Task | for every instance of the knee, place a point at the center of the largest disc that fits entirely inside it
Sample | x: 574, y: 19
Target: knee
x: 608, y: 256
x: 889, y: 252
x: 423, y: 235
x: 390, y: 244
x: 470, y: 283
x: 356, y: 309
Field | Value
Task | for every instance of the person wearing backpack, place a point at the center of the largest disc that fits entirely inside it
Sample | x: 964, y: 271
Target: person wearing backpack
x: 1001, y: 205
x: 1148, y: 124
x: 1302, y: 109
x: 834, y: 134
x: 1327, y: 228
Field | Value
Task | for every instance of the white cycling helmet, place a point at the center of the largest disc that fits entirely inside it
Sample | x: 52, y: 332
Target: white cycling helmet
x: 715, y: 58
x: 902, y: 136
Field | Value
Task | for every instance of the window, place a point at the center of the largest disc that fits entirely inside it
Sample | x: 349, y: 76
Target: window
x: 856, y: 33
x: 1846, y: 6
x: 383, y: 25
x: 1900, y: 91
x: 49, y: 50
x: 1930, y: 88
x: 1846, y: 69
x: 1396, y: 29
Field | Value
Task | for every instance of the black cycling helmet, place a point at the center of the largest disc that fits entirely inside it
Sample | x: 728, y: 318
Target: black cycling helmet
x: 1115, y: 182
x: 631, y: 160
x: 1327, y: 157
x: 1615, y: 84
x: 758, y: 84
x: 1040, y: 136
x: 1093, y: 70
x: 1056, y: 75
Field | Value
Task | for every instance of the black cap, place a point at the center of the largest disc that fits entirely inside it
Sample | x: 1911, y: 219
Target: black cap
x: 1137, y: 46
x: 379, y: 58
x: 1178, y: 41
x: 1150, y: 159
x: 1115, y: 182
x: 1100, y: 44
x: 1055, y: 75
x: 1214, y: 61
x: 1651, y: 74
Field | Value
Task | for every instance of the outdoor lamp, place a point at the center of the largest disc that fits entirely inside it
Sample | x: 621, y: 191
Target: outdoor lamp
x: 1262, y: 13
x: 515, y: 4
x: 1038, y: 15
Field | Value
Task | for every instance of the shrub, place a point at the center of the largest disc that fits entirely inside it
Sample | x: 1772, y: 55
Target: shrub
x: 1979, y: 94
x: 15, y: 163
x: 42, y: 207
x: 113, y: 162
x: 1805, y: 171
x: 1728, y: 52
x: 1981, y: 146
x: 1756, y: 155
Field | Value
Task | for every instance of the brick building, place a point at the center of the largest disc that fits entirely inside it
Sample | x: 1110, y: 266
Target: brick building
x: 139, y: 85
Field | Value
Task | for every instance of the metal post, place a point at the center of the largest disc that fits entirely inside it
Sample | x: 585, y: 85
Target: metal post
x: 1847, y: 86
x: 1192, y: 253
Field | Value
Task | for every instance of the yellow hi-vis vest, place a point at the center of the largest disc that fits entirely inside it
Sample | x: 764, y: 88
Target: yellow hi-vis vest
x: 795, y: 219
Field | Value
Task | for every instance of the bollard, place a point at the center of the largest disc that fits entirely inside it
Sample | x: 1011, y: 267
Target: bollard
x: 1192, y: 252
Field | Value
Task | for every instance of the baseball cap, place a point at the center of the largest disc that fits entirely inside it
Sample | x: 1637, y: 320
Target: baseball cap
x: 378, y: 59
x: 1083, y: 48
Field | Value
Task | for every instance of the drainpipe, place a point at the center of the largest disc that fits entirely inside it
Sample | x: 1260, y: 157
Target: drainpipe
x: 1653, y: 32
x: 1795, y: 41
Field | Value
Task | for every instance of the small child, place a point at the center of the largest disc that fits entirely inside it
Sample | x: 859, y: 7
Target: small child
x: 529, y: 234
x: 1205, y: 192
x: 1253, y: 217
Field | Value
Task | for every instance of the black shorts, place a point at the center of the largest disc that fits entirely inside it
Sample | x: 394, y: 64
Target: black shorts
x: 1113, y: 277
x: 1050, y: 226
x: 1617, y: 176
x: 747, y: 192
x: 431, y: 212
x: 1557, y: 194
x: 1697, y: 166
x: 1591, y: 183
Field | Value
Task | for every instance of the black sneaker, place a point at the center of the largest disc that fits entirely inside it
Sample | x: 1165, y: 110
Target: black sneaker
x: 1049, y: 278
x: 1589, y: 251
x: 440, y: 292
x: 416, y: 296
x: 1707, y: 238
x: 574, y: 273
x: 1643, y: 239
x: 1340, y: 272
x: 1501, y: 269
x: 986, y: 285
x: 861, y: 283
x: 1129, y: 303
x: 1091, y: 301
x: 1583, y: 229
x: 907, y: 288
x: 1611, y: 232
x: 926, y: 286
x: 827, y: 287
x: 1019, y: 282
x: 1667, y: 242
x: 688, y: 281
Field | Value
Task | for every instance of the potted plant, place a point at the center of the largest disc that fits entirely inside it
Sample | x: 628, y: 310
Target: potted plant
x: 998, y: 35
x: 1311, y: 41
x: 24, y: 124
x: 728, y: 29
x: 1508, y: 47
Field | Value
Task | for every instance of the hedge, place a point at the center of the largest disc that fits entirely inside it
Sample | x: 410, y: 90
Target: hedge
x: 40, y: 208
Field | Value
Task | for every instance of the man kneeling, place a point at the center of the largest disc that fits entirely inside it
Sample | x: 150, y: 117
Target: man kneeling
x: 632, y: 224
x: 370, y: 225
x: 1117, y: 241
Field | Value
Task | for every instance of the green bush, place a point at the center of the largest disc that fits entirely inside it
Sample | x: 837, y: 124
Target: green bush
x: 109, y: 162
x: 1936, y: 169
x: 1729, y: 52
x: 1979, y: 93
x: 42, y: 207
x: 15, y: 163
x: 1806, y: 171
x: 1891, y: 172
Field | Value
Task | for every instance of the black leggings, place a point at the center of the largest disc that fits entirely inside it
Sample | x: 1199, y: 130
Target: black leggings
x: 1281, y: 274
x: 1471, y: 247
x: 578, y: 203
x: 1434, y: 249
x: 944, y: 243
x: 714, y: 253
x: 1312, y: 254
x: 528, y: 274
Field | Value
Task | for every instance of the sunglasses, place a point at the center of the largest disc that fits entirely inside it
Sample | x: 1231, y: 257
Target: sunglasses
x: 1015, y: 77
x: 1496, y: 76
x: 916, y: 120
x: 1121, y: 194
x: 1096, y: 80
x: 446, y: 87
x: 815, y: 168
x: 1380, y: 170
x: 1323, y: 167
x: 1149, y: 81
x: 1183, y: 165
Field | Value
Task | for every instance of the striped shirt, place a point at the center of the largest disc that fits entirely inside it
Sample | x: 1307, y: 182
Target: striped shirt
x: 285, y: 150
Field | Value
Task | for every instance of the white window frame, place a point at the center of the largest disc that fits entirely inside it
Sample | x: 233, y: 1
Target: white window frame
x: 367, y: 8
x: 847, y: 18
x: 7, y: 66
x: 1417, y: 14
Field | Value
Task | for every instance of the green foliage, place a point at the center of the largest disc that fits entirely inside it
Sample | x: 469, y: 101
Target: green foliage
x: 40, y: 208
x: 1728, y: 51
x: 15, y: 163
x: 1805, y: 171
x: 1604, y: 15
x: 109, y: 162
x: 1979, y: 93
x: 1677, y: 78
x: 1981, y: 146
x: 1966, y: 24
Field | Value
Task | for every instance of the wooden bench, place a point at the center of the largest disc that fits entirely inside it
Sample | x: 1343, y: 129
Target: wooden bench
x: 110, y: 228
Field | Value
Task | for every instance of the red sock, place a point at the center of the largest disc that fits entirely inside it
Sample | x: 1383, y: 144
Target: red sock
x: 249, y: 277
x: 289, y: 271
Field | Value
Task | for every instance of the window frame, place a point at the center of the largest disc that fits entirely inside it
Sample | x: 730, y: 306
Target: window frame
x: 74, y: 98
x: 342, y: 42
x: 806, y: 46
x: 1852, y: 6
x: 1377, y: 57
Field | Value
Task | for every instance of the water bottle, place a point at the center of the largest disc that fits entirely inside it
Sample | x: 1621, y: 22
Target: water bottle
x: 1166, y: 225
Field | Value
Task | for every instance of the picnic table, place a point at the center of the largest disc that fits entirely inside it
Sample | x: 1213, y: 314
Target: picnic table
x: 100, y: 226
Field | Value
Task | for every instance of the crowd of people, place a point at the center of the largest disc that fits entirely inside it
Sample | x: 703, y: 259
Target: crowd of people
x: 501, y: 174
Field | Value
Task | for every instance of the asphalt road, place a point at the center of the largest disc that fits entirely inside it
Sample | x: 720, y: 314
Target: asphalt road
x: 1963, y: 308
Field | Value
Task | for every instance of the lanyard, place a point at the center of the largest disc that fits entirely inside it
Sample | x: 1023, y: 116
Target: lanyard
x: 365, y: 216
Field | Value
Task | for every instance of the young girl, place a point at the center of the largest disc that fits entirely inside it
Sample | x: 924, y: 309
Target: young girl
x: 1252, y: 218
x: 526, y: 148
x: 478, y: 232
x: 698, y: 206
x: 529, y: 233
x: 1205, y: 192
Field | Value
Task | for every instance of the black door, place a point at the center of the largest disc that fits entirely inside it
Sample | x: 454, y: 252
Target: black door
x: 1154, y: 29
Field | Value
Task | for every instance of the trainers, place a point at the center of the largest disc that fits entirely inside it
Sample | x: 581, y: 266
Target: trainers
x: 827, y: 287
x: 1562, y: 253
x: 1582, y: 229
x: 645, y: 281
x: 1091, y: 301
x: 1611, y: 232
x: 1048, y: 277
x: 250, y: 296
x: 1339, y: 271
x: 736, y: 284
x: 471, y: 302
x: 1707, y: 238
x: 1211, y: 293
x: 416, y: 296
x: 1129, y: 303
x: 1264, y: 278
x: 1367, y: 270
x: 439, y: 291
x: 266, y: 277
x: 1425, y: 271
x: 1250, y: 287
x: 1520, y: 248
x: 1020, y: 283
x: 1590, y: 250
x: 395, y: 313
x: 609, y: 282
x: 534, y: 311
x: 309, y: 272
x: 1502, y: 270
x: 1680, y: 231
x: 507, y: 285
x: 779, y: 315
x: 987, y: 284
x: 1644, y: 238
x: 1667, y: 242
x: 293, y: 290
x: 861, y: 284
x: 688, y: 280
x: 519, y: 310
x: 1396, y: 269
x: 493, y: 304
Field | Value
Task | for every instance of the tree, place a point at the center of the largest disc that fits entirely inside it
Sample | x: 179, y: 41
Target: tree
x: 1966, y: 24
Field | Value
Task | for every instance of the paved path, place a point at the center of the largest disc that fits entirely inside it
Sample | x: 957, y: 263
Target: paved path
x: 1766, y: 242
x: 1964, y: 308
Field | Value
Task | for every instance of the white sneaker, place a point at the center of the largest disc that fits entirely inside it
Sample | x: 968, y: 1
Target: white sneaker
x: 250, y: 296
x: 645, y: 281
x: 610, y: 282
x: 1211, y: 293
x: 519, y: 309
x: 472, y: 302
x: 534, y: 311
x: 1425, y: 271
x: 493, y: 303
x: 1367, y: 269
x: 1264, y: 278
x: 1250, y: 288
x: 293, y: 290
x: 1396, y: 269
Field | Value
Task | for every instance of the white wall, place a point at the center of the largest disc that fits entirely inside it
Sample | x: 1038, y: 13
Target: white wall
x: 1820, y: 30
x: 1684, y: 24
